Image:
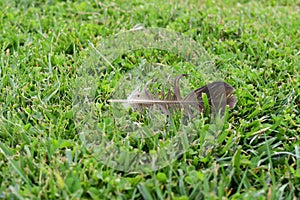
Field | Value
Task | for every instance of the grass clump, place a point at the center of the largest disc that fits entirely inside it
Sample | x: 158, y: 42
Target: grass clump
x: 255, y: 46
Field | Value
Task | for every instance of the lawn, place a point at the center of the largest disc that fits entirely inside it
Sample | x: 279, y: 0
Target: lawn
x: 45, y: 45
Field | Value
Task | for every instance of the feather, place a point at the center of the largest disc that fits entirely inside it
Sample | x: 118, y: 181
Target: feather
x: 219, y: 94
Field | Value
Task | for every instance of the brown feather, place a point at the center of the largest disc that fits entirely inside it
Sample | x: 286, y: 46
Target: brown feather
x: 219, y: 94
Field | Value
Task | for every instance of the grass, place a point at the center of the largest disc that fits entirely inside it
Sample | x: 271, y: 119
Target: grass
x: 255, y: 45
